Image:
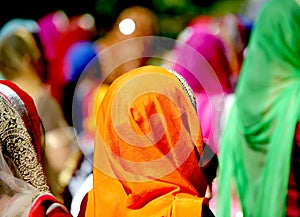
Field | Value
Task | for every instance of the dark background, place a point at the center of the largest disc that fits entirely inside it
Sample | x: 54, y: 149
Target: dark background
x: 172, y: 14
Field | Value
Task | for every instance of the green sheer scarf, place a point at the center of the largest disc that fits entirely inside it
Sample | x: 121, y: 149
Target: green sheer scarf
x: 257, y: 142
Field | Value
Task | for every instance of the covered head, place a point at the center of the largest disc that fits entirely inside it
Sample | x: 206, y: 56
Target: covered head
x: 201, y: 59
x: 23, y: 186
x: 135, y: 21
x: 258, y: 137
x: 21, y: 139
x: 52, y: 25
x: 147, y: 147
x: 20, y: 54
x: 233, y: 30
x: 15, y: 23
x: 58, y: 33
x: 133, y: 28
x: 22, y: 135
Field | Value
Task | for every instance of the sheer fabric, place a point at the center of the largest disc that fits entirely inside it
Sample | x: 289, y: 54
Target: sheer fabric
x: 23, y: 185
x: 147, y: 147
x: 258, y: 138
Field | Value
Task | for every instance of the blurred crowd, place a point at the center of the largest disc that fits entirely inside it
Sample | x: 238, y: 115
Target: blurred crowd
x: 129, y: 123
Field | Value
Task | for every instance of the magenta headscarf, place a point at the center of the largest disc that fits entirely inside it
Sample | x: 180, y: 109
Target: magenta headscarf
x: 208, y: 76
x: 232, y: 29
x: 57, y: 33
x: 51, y: 27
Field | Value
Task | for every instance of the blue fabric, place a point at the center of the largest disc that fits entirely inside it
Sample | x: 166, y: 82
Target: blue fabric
x: 77, y: 58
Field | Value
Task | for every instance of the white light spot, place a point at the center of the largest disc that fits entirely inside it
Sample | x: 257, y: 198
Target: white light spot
x: 127, y: 26
x: 87, y: 21
x: 239, y: 214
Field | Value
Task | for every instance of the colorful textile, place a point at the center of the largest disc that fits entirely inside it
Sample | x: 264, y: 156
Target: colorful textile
x: 257, y: 142
x: 76, y: 61
x: 15, y: 23
x: 21, y: 126
x: 207, y: 71
x: 77, y: 57
x: 293, y: 194
x: 28, y: 112
x: 22, y: 178
x: 147, y: 147
x: 57, y: 33
x: 233, y: 30
x: 115, y: 58
x: 51, y: 27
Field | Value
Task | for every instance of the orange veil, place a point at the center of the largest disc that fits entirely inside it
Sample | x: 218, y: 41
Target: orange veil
x: 147, y: 148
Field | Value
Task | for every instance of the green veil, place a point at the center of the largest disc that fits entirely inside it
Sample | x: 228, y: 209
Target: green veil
x: 255, y: 151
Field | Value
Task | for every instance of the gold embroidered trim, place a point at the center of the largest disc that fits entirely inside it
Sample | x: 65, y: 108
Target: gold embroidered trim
x: 17, y: 147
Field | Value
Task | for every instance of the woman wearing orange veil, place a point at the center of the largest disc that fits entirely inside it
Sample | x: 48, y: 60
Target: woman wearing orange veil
x: 148, y: 146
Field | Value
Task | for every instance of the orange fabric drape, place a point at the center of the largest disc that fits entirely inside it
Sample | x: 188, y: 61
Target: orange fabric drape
x: 146, y: 146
